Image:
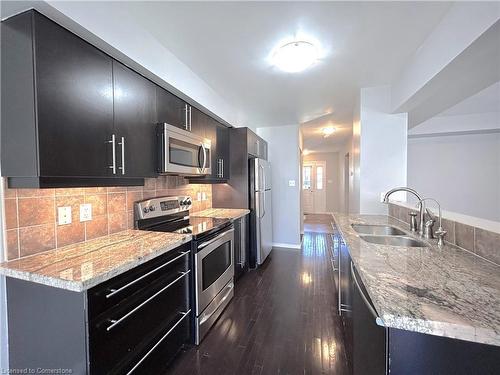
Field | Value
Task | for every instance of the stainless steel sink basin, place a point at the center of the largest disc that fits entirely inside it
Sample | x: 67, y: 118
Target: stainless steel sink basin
x: 394, y: 241
x: 379, y: 230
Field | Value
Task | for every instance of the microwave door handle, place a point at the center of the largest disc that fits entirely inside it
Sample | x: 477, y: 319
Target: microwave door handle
x: 204, y: 157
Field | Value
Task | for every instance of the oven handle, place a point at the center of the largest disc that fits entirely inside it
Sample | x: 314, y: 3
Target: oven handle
x: 115, y: 322
x: 205, y: 244
x: 115, y: 291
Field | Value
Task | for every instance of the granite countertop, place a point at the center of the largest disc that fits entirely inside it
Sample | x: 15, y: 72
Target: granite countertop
x: 445, y: 292
x: 222, y: 213
x: 81, y: 266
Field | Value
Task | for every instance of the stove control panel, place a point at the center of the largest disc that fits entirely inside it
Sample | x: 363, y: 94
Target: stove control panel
x: 162, y: 206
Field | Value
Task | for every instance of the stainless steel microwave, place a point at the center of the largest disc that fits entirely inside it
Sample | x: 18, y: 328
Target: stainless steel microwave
x: 182, y: 152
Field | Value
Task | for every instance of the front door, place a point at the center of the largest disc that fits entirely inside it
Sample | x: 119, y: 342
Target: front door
x: 313, y: 187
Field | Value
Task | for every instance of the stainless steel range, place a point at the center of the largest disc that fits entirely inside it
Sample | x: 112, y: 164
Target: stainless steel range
x: 212, y: 245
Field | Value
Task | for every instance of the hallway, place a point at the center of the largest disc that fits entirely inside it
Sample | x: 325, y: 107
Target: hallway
x: 282, y: 320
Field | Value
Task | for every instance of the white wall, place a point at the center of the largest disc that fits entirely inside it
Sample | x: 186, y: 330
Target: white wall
x: 355, y: 149
x: 333, y: 181
x: 283, y: 142
x: 461, y: 171
x: 383, y: 145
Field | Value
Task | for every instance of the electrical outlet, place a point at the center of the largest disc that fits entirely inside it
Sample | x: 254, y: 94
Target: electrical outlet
x: 64, y: 215
x: 203, y: 196
x: 198, y: 196
x: 291, y: 183
x: 85, y: 212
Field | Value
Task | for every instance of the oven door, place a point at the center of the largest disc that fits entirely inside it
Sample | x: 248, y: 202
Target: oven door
x: 182, y: 152
x: 214, y: 267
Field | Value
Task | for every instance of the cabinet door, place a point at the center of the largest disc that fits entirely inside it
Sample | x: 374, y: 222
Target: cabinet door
x: 134, y: 123
x: 252, y: 143
x: 74, y: 103
x: 199, y: 123
x: 170, y: 109
x: 223, y: 150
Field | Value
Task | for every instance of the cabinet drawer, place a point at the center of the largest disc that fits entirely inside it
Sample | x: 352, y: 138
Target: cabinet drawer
x: 113, y: 292
x: 159, y: 356
x: 120, y: 335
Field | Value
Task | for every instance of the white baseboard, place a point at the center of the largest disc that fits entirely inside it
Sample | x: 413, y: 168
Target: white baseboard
x: 286, y: 245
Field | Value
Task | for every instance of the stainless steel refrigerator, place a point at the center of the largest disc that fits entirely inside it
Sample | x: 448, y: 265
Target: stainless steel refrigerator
x: 261, y: 202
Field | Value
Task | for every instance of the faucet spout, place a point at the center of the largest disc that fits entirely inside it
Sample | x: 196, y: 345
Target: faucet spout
x: 414, y: 192
x: 402, y: 188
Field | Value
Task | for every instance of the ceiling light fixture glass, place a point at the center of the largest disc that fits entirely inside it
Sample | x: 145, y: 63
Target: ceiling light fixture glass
x: 296, y: 56
x: 328, y: 131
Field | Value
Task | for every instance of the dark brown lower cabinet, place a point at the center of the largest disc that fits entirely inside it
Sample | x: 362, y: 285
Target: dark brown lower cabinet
x: 374, y: 349
x: 134, y: 323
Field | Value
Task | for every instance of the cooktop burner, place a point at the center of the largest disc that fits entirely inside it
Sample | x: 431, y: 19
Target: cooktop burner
x: 200, y: 225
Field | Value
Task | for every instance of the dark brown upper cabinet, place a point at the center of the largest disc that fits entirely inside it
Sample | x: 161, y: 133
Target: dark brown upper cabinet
x: 219, y: 157
x: 256, y: 146
x: 171, y: 109
x: 134, y: 123
x: 58, y: 114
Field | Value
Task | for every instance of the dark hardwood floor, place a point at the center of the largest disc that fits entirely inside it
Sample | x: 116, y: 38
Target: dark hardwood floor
x: 282, y: 320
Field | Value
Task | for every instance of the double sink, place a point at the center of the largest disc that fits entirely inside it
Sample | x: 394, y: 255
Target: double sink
x: 386, y: 235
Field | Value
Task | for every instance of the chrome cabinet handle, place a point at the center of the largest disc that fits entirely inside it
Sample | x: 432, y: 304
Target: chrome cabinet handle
x: 113, y: 148
x: 378, y: 320
x: 122, y: 144
x: 222, y: 169
x: 190, y: 110
x: 115, y: 291
x: 115, y: 322
x: 184, y: 314
x: 205, y: 244
x: 186, y: 116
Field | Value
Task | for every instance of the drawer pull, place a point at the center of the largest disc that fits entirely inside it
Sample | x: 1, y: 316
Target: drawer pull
x: 115, y: 291
x: 115, y: 322
x: 184, y: 314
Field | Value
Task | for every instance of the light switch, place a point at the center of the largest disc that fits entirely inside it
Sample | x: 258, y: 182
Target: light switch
x: 198, y: 196
x: 291, y: 183
x: 64, y: 215
x: 85, y: 212
x: 203, y: 196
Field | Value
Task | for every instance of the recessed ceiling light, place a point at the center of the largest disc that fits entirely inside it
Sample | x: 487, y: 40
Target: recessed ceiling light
x: 328, y: 131
x: 295, y: 56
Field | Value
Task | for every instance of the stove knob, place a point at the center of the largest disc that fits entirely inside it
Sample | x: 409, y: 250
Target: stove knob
x: 188, y: 201
x: 152, y: 208
x: 145, y: 210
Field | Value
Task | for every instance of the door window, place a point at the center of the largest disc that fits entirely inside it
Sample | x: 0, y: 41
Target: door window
x: 307, y: 177
x: 319, y: 177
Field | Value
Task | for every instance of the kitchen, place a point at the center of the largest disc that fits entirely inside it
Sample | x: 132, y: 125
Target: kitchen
x: 155, y: 220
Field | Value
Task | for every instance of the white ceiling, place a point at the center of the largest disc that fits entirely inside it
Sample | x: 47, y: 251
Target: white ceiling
x: 228, y: 46
x: 314, y: 139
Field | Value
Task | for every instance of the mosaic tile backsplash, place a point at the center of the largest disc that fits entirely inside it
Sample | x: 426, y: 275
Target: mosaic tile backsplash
x: 31, y: 214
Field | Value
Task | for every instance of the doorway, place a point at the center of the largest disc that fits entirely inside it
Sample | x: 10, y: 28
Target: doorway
x: 313, y: 187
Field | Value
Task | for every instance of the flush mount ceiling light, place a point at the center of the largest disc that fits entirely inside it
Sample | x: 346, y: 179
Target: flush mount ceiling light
x: 328, y: 131
x: 296, y: 56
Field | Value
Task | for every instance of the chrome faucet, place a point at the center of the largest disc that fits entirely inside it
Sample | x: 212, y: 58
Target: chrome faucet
x: 430, y: 223
x: 422, y: 209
